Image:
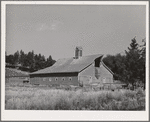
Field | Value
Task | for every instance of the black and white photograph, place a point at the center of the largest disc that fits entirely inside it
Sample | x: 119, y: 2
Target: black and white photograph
x: 78, y: 60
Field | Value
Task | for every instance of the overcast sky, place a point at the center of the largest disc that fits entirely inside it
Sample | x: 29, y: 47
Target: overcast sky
x: 57, y: 29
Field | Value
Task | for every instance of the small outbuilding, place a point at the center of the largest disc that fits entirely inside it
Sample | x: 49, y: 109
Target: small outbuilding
x: 15, y: 76
x: 78, y: 70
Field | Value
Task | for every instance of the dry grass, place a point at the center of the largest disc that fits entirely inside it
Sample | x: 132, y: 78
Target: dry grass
x: 30, y: 98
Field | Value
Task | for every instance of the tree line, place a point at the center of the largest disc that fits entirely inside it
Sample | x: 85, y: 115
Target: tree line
x: 130, y: 67
x: 29, y: 60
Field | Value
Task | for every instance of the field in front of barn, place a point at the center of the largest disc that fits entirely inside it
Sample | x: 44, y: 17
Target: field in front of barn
x: 45, y: 98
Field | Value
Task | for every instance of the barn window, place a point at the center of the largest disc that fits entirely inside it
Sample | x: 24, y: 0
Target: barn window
x: 50, y: 79
x: 70, y: 78
x: 56, y: 79
x: 63, y: 79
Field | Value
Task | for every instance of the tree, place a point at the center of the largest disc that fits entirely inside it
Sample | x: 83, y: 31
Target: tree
x: 30, y: 61
x: 10, y: 59
x: 36, y: 67
x: 49, y: 61
x: 39, y: 62
x: 120, y: 67
x: 130, y: 67
x: 109, y: 60
x: 132, y: 62
x: 117, y: 65
x: 22, y: 58
x: 16, y: 57
x: 43, y: 62
x: 142, y: 62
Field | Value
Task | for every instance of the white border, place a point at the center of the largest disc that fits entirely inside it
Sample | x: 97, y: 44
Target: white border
x: 18, y: 115
x: 78, y: 2
x: 147, y: 58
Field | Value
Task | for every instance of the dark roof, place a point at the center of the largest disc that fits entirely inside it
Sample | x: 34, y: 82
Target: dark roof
x: 68, y: 65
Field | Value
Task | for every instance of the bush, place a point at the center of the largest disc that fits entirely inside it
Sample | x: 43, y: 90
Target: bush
x: 140, y: 92
x: 130, y: 94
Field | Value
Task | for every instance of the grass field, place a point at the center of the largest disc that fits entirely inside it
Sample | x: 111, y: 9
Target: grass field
x: 44, y: 98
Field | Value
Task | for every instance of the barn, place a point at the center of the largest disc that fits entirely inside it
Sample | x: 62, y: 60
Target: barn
x: 78, y: 70
x: 74, y: 71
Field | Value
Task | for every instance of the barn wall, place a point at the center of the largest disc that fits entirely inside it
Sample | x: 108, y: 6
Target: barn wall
x: 87, y: 75
x: 104, y: 75
x: 15, y: 80
x: 54, y: 80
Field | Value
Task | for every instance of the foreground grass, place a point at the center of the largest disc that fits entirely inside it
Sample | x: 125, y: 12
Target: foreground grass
x: 24, y: 98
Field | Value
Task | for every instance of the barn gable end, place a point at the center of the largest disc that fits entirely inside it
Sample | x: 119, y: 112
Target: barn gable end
x: 87, y: 75
x: 104, y: 75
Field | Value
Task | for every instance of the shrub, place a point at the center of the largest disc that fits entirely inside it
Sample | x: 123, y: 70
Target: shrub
x: 140, y: 92
x: 130, y: 94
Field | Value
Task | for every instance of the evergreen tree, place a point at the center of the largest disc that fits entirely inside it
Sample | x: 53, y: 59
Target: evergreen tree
x: 36, y: 67
x: 132, y: 62
x: 16, y: 57
x: 43, y: 62
x: 22, y: 58
x: 49, y: 61
x: 10, y: 59
x: 30, y: 60
x: 142, y: 61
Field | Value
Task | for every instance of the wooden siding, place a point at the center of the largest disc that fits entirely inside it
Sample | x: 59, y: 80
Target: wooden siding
x: 104, y: 75
x: 54, y: 79
x: 71, y: 80
x: 15, y: 80
x: 87, y: 75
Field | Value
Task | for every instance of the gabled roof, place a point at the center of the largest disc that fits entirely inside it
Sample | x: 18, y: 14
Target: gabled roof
x: 15, y: 73
x: 68, y: 65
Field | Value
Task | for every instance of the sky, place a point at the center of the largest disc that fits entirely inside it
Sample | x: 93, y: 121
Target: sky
x: 57, y: 29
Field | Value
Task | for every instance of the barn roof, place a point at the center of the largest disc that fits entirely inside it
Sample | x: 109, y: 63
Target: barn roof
x: 67, y: 65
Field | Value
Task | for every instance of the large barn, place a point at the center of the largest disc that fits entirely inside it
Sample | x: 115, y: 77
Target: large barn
x: 74, y: 71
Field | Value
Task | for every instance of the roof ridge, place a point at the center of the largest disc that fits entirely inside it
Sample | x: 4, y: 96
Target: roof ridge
x: 80, y: 57
x: 92, y: 55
